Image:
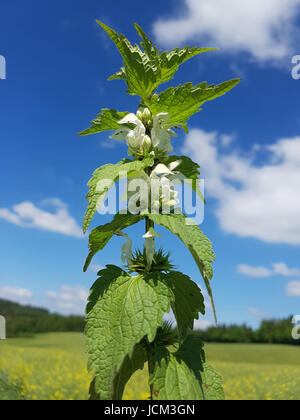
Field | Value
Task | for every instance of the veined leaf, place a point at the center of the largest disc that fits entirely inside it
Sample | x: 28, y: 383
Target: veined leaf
x: 188, y: 300
x: 100, y: 236
x: 170, y: 61
x: 107, y: 120
x: 198, y: 244
x: 129, y: 366
x: 184, y: 375
x: 212, y: 384
x: 189, y: 169
x: 103, y: 179
x: 185, y: 100
x: 144, y: 70
x: 177, y: 376
x: 122, y: 310
x: 140, y: 72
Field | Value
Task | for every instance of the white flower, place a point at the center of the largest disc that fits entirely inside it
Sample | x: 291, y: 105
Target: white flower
x: 161, y: 137
x: 137, y: 140
x: 162, y: 186
x: 150, y: 245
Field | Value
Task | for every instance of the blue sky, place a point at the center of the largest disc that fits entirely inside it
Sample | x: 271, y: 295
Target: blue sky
x: 247, y: 142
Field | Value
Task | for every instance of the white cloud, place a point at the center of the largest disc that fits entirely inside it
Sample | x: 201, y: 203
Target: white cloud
x: 264, y: 29
x: 96, y: 268
x: 202, y: 324
x: 199, y: 324
x: 279, y: 269
x: 261, y: 202
x: 253, y: 271
x: 16, y: 294
x: 293, y: 289
x: 68, y: 300
x: 260, y: 315
x: 27, y: 215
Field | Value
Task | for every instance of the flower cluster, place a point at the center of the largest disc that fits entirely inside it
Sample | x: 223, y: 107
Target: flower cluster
x: 145, y: 134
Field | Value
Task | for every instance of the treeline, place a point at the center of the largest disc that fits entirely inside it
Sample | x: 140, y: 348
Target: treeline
x: 28, y: 321
x: 271, y: 331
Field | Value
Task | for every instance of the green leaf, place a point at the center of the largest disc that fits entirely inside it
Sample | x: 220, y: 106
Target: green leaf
x: 212, y: 384
x: 103, y: 179
x: 185, y: 100
x: 107, y: 120
x: 122, y: 310
x: 170, y: 61
x: 188, y: 300
x: 198, y: 244
x: 129, y: 366
x: 139, y: 71
x: 100, y: 236
x: 177, y: 376
x: 119, y: 75
x: 145, y: 69
x: 184, y: 375
x: 189, y: 169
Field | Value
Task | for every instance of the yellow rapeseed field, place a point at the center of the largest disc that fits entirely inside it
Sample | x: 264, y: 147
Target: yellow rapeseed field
x: 53, y: 367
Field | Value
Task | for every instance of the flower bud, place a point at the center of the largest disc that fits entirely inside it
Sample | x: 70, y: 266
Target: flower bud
x: 146, y: 114
x: 139, y: 114
x: 146, y: 145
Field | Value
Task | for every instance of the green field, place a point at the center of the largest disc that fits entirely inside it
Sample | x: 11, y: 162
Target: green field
x: 52, y: 367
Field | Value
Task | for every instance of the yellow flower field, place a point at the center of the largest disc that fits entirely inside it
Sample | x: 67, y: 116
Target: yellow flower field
x: 53, y: 367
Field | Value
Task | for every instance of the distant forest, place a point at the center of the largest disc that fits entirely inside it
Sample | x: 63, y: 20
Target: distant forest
x: 272, y: 331
x: 28, y: 321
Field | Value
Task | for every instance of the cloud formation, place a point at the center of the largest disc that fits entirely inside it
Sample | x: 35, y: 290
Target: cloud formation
x: 266, y: 30
x: 16, y: 294
x: 293, y: 289
x: 254, y: 201
x: 27, y: 215
x: 260, y: 315
x: 279, y: 269
x: 68, y: 300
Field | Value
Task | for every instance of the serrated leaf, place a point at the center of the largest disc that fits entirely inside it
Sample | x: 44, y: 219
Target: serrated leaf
x: 107, y: 120
x: 185, y: 100
x: 212, y: 384
x: 184, y: 375
x: 188, y: 300
x: 144, y: 70
x: 198, y: 244
x: 122, y: 310
x: 189, y: 169
x: 170, y: 61
x: 100, y: 236
x: 129, y: 366
x: 99, y: 186
x: 140, y: 71
x: 177, y: 376
x: 119, y: 75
